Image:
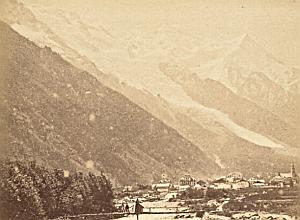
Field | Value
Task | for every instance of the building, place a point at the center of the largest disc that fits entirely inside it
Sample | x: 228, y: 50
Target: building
x: 291, y: 174
x: 279, y: 181
x: 161, y: 187
x: 241, y: 184
x: 187, y: 180
x: 255, y: 182
x: 220, y: 184
x: 232, y: 181
x: 164, y: 185
x: 285, y: 179
x: 128, y: 189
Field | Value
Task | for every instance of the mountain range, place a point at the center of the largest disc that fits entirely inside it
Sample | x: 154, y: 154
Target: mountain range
x: 230, y: 101
x: 64, y: 117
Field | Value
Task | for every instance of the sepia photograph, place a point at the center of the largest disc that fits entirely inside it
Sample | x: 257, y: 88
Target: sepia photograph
x: 149, y: 109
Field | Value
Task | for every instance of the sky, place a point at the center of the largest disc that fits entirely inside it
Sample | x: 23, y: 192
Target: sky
x: 274, y: 24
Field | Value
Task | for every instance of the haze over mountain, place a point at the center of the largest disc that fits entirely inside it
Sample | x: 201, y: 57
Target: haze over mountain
x: 219, y: 95
x: 65, y: 118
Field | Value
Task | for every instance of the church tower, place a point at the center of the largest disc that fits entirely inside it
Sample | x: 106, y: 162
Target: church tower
x: 293, y: 170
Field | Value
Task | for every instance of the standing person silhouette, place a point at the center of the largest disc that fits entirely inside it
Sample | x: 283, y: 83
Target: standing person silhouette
x: 127, y: 208
x: 138, y: 208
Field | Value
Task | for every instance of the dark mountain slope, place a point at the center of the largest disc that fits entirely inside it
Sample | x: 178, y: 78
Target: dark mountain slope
x: 63, y: 117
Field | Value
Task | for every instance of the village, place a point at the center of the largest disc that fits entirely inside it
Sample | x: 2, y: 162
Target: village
x: 231, y: 181
x: 224, y: 196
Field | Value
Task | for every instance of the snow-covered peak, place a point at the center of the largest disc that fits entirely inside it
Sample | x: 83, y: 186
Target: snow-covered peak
x: 149, y: 50
x: 242, y: 57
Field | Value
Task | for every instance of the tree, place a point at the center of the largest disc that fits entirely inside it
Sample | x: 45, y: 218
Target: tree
x: 77, y: 197
x: 29, y: 191
x: 101, y: 190
x: 19, y: 197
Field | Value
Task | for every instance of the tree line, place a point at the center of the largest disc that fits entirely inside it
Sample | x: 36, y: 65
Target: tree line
x: 30, y: 191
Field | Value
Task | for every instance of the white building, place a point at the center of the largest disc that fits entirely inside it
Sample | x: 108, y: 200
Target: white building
x: 220, y: 184
x: 161, y: 187
x: 187, y: 180
x: 230, y: 182
x: 240, y: 184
